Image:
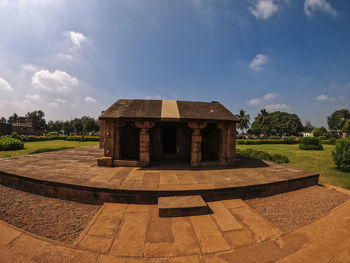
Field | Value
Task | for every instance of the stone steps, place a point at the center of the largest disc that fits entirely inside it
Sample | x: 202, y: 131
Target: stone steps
x: 172, y: 206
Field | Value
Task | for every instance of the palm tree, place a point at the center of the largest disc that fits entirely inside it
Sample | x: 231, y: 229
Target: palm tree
x: 244, y: 120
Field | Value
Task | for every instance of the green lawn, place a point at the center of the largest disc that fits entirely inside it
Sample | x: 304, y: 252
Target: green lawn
x: 316, y: 161
x: 32, y: 146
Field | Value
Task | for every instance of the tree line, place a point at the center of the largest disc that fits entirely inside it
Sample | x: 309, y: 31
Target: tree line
x: 83, y: 125
x: 286, y: 124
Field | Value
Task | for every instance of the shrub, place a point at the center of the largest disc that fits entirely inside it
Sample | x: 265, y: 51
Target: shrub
x: 310, y: 143
x: 10, y: 144
x: 323, y: 137
x: 272, y: 137
x: 341, y: 155
x: 277, y: 158
x: 290, y: 140
x: 332, y: 140
x: 14, y: 135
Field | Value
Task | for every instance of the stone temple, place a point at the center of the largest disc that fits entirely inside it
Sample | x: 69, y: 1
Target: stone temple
x: 146, y: 132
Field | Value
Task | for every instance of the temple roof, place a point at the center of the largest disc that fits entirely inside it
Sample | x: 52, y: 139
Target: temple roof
x: 168, y: 110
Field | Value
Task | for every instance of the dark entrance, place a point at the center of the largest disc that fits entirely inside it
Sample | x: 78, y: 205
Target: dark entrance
x: 130, y: 142
x: 169, y: 141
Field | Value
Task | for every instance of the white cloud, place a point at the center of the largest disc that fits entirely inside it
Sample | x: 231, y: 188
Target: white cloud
x: 312, y: 6
x: 77, y: 38
x: 32, y: 97
x: 270, y: 96
x: 61, y: 101
x: 266, y: 98
x: 263, y: 9
x: 29, y: 68
x: 57, y: 81
x: 276, y: 107
x: 254, y: 101
x: 53, y: 104
x: 88, y: 99
x: 322, y: 97
x: 4, y: 85
x: 65, y: 56
x: 258, y: 62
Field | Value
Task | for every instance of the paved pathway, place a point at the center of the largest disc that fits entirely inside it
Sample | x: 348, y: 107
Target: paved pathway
x: 233, y: 233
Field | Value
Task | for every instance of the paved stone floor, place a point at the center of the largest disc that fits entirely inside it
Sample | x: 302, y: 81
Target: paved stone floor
x: 233, y: 233
x: 78, y: 166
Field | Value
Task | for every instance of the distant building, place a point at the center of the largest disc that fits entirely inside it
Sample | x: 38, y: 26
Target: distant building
x: 23, y: 126
x: 140, y: 132
x: 307, y: 134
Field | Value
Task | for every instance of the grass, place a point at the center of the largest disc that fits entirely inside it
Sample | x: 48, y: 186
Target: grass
x: 31, y: 147
x: 317, y: 161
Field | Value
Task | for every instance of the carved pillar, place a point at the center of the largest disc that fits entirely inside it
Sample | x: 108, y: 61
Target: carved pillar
x: 196, y: 151
x: 223, y: 142
x: 108, y: 142
x: 102, y: 133
x: 227, y: 142
x: 144, y: 141
x: 231, y: 147
x: 117, y: 132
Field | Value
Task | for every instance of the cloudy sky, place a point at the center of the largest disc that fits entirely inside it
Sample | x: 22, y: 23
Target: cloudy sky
x: 75, y: 58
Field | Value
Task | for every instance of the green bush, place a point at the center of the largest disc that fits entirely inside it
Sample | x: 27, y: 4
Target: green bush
x: 10, y: 144
x: 332, y: 140
x: 272, y: 137
x: 323, y: 137
x: 310, y: 143
x: 310, y: 147
x: 259, y: 141
x: 341, y: 155
x: 14, y: 135
x: 290, y: 140
x: 277, y: 158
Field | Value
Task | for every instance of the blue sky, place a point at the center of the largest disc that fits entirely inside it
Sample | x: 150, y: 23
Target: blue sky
x: 75, y: 58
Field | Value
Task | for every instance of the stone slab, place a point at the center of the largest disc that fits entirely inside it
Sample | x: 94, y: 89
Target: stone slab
x: 182, y: 206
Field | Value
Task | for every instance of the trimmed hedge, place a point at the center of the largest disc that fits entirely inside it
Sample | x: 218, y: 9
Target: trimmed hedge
x: 277, y: 158
x: 341, y: 155
x: 32, y: 138
x: 310, y: 143
x: 10, y: 144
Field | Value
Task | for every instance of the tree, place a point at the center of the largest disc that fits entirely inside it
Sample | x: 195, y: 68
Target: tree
x: 13, y: 118
x: 260, y: 124
x: 90, y: 125
x: 308, y: 127
x: 38, y: 120
x: 277, y: 123
x: 244, y: 120
x: 3, y: 119
x: 338, y: 119
x: 77, y: 125
x: 67, y: 127
x: 322, y: 131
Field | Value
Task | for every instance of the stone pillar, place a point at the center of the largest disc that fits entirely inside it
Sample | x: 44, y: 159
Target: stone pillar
x: 196, y: 151
x: 144, y: 141
x: 107, y: 160
x: 223, y: 142
x: 102, y: 133
x: 117, y: 131
x: 227, y: 142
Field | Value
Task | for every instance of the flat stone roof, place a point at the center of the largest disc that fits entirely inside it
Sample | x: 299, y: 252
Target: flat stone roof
x: 168, y: 110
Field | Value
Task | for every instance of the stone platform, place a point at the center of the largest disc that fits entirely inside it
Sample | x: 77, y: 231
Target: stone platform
x: 73, y: 175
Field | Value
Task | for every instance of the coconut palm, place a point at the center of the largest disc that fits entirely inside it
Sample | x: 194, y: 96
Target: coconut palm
x: 244, y: 120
